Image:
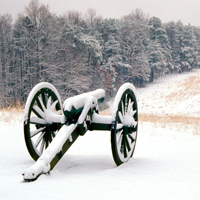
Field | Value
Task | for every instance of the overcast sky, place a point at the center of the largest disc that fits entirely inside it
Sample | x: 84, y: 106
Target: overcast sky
x: 188, y: 11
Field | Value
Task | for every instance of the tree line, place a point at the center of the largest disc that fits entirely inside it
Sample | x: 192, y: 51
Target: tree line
x: 79, y: 53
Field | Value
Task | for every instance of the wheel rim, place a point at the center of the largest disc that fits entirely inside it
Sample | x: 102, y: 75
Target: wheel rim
x: 124, y: 128
x: 39, y: 128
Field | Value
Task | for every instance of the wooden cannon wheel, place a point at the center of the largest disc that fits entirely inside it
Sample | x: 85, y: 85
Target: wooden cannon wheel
x: 124, y: 124
x: 40, y: 125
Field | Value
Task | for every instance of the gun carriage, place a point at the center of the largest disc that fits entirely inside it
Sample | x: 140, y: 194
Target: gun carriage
x: 50, y: 128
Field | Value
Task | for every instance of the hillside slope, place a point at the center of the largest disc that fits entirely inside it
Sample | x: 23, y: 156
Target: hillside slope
x: 172, y: 95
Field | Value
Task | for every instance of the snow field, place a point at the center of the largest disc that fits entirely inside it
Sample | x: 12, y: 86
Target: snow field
x: 165, y: 164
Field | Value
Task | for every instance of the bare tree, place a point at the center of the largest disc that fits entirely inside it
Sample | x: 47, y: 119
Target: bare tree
x: 40, y: 31
x: 5, y: 43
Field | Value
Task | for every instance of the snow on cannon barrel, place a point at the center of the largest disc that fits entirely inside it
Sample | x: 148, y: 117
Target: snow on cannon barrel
x: 50, y: 128
x: 73, y: 106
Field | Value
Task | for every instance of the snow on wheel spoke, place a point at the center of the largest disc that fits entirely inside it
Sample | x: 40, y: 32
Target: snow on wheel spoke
x: 130, y: 105
x: 125, y: 103
x: 119, y: 137
x: 39, y: 111
x: 39, y: 139
x: 53, y: 106
x: 119, y: 126
x: 36, y: 120
x: 49, y: 102
x: 127, y: 143
x: 42, y: 104
x: 59, y: 112
x: 133, y: 112
x: 43, y: 99
x: 42, y: 146
x: 39, y: 104
x: 122, y: 108
x: 35, y: 132
x: 121, y: 117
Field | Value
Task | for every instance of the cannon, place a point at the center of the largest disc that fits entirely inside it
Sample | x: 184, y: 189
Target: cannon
x: 50, y: 128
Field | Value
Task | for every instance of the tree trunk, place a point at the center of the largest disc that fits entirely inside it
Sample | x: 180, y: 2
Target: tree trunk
x: 151, y: 76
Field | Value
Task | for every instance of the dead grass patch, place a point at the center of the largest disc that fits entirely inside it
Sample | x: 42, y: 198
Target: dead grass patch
x: 186, y: 89
x: 180, y: 121
x: 169, y: 118
x: 12, y: 115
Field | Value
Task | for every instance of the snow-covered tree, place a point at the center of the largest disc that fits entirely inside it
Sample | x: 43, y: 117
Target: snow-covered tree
x: 34, y: 36
x: 187, y: 54
x: 5, y: 59
x: 134, y: 46
x: 78, y: 53
x: 160, y: 59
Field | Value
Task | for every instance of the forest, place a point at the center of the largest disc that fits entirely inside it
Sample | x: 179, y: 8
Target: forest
x: 79, y: 52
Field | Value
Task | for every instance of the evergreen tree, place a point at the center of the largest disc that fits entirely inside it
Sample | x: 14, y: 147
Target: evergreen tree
x: 172, y: 33
x: 160, y: 57
x: 135, y: 45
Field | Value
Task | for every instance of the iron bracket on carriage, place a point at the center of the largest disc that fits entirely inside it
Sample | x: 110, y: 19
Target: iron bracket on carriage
x: 50, y: 128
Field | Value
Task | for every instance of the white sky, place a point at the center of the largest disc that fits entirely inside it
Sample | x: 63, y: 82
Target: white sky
x: 188, y: 11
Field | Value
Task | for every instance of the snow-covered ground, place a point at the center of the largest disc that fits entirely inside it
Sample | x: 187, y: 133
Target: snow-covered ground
x: 165, y: 164
x: 175, y: 94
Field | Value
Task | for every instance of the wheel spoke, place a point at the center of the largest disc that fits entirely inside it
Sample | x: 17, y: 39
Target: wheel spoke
x: 130, y: 136
x: 132, y: 113
x: 38, y: 112
x: 46, y: 143
x: 49, y: 102
x: 122, y: 104
x: 123, y: 147
x: 35, y: 132
x: 42, y: 146
x: 119, y: 127
x: 39, y: 139
x: 125, y: 103
x: 59, y: 112
x: 53, y: 106
x: 120, y: 117
x: 130, y: 106
x: 43, y: 99
x: 50, y: 137
x: 36, y: 120
x: 42, y: 104
x: 39, y: 104
x: 127, y: 143
x: 119, y: 138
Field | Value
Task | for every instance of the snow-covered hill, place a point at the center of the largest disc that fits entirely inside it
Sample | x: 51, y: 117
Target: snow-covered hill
x: 172, y: 95
x: 165, y: 165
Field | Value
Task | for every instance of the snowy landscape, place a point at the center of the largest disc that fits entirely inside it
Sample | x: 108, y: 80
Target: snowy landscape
x: 165, y: 164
